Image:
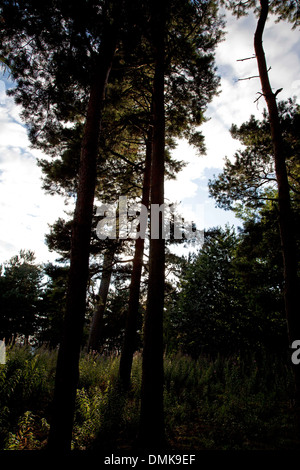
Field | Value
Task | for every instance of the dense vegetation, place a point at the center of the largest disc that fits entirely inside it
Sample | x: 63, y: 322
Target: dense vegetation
x: 210, y: 404
x: 121, y: 342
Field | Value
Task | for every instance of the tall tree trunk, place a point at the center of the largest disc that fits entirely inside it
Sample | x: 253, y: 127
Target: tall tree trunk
x: 67, y: 372
x: 151, y: 429
x: 97, y: 320
x: 286, y: 225
x: 129, y: 346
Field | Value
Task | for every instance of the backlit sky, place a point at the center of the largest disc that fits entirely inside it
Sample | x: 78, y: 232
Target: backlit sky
x: 25, y: 209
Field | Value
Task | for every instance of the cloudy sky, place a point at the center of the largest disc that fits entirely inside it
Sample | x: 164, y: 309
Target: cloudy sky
x: 26, y: 211
x: 235, y: 104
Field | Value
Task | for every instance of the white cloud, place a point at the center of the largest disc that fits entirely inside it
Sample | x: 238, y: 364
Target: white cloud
x: 25, y: 210
x: 184, y: 187
x: 296, y: 89
x: 12, y: 133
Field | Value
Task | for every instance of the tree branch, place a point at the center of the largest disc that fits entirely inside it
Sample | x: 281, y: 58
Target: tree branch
x: 254, y: 76
x: 260, y: 95
x: 247, y: 58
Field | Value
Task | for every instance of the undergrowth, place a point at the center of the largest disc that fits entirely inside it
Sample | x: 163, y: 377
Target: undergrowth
x: 221, y: 403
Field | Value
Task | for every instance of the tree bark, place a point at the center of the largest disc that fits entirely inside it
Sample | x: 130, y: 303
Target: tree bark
x: 286, y: 225
x: 129, y: 346
x: 97, y: 320
x: 67, y: 372
x: 151, y: 429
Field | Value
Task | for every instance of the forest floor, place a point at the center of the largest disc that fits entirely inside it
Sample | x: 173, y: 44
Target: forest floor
x: 210, y: 404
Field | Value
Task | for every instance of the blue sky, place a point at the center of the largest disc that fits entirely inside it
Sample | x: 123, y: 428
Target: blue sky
x: 25, y: 209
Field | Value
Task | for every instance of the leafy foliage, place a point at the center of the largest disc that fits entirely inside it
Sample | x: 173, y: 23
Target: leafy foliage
x: 230, y: 294
x: 20, y: 295
x: 288, y: 10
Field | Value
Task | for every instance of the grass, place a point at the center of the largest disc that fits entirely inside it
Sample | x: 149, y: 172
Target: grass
x: 210, y: 404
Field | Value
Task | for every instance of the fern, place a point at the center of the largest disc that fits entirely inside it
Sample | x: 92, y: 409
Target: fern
x: 31, y: 433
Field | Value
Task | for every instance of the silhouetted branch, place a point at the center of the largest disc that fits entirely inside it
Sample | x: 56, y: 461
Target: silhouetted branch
x: 247, y: 58
x: 249, y: 78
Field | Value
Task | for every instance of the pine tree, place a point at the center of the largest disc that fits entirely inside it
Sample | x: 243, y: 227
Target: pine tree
x: 285, y: 10
x: 68, y: 359
x: 62, y: 72
x: 130, y: 339
x: 151, y: 431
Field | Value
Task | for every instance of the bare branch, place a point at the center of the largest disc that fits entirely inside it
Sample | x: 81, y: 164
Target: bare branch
x: 254, y: 76
x: 248, y: 78
x: 247, y: 58
x: 260, y: 95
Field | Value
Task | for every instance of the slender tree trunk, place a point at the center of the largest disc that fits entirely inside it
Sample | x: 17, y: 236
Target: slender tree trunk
x: 151, y: 430
x: 97, y: 321
x: 286, y: 225
x: 129, y: 346
x: 67, y: 372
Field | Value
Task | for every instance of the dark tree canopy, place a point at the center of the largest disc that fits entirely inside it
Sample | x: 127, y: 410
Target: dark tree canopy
x: 20, y: 297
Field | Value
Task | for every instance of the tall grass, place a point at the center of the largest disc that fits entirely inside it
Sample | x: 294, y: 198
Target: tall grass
x: 221, y: 403
x: 229, y: 403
